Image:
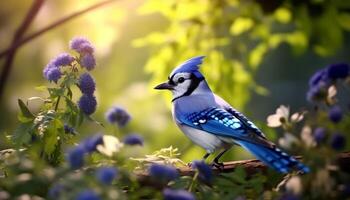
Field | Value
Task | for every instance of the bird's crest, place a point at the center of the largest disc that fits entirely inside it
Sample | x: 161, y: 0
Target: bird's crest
x: 190, y: 66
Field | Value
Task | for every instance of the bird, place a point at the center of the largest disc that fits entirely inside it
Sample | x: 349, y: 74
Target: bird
x: 213, y: 124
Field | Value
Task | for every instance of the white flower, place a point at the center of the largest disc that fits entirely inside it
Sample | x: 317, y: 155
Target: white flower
x: 282, y: 117
x: 297, y: 117
x: 275, y: 120
x: 332, y: 92
x: 110, y: 145
x: 287, y: 141
x: 306, y: 136
x: 294, y: 185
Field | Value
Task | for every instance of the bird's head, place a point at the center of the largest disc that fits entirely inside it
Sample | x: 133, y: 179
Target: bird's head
x: 184, y: 79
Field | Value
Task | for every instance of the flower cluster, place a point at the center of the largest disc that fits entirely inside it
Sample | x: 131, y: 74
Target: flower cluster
x: 106, y: 175
x: 69, y: 129
x: 87, y: 195
x: 323, y: 87
x: 163, y: 173
x: 86, y: 50
x: 87, y: 84
x: 322, y: 80
x: 76, y: 155
x: 204, y: 170
x: 52, y: 71
x: 170, y: 194
x: 118, y: 115
x: 87, y: 102
x: 133, y: 139
x: 335, y: 114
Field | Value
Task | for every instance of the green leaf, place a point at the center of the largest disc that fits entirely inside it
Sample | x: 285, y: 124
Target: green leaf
x: 69, y: 93
x: 241, y: 25
x: 22, y: 134
x: 51, y: 135
x: 257, y: 55
x: 80, y: 119
x: 41, y: 88
x: 283, y: 15
x: 344, y: 20
x: 24, y: 110
x: 72, y: 114
x: 239, y: 175
x: 56, y: 92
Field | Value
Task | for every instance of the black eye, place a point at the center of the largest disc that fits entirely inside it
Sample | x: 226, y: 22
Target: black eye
x: 181, y: 80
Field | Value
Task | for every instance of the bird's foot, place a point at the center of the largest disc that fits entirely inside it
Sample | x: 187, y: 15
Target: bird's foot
x: 218, y: 165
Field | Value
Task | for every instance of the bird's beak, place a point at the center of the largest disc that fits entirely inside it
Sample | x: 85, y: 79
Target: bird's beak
x: 164, y: 86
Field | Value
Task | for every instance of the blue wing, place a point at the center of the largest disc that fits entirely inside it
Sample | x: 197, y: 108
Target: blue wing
x: 221, y: 122
x: 231, y: 123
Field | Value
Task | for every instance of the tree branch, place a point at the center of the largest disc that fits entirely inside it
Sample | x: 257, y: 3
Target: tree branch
x: 32, y: 12
x: 19, y: 41
x: 251, y: 166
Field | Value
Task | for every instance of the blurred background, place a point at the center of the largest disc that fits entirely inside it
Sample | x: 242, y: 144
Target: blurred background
x: 259, y: 55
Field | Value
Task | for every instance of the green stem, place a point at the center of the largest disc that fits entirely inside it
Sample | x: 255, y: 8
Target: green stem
x: 57, y: 102
x: 193, y: 181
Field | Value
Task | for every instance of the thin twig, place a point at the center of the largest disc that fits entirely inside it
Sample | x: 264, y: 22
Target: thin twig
x: 51, y: 26
x: 21, y: 41
x: 32, y: 12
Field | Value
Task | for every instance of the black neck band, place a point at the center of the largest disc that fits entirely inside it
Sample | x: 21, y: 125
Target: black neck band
x: 194, y: 84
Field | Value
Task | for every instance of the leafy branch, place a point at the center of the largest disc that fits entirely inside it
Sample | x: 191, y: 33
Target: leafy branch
x: 20, y: 40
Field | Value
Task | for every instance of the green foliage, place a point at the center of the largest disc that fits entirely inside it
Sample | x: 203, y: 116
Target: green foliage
x: 236, y: 36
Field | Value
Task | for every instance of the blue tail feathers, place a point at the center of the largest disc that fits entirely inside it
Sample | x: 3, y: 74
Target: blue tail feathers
x: 274, y: 157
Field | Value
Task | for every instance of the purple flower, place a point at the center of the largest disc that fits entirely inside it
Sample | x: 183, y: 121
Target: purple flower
x: 317, y: 77
x: 75, y: 157
x: 81, y: 45
x: 47, y: 68
x: 205, y: 172
x: 87, y: 48
x: 338, y: 71
x: 88, y: 195
x: 317, y: 92
x: 133, y: 139
x: 62, y: 59
x: 163, y: 173
x: 55, y: 191
x: 69, y: 129
x: 338, y: 141
x: 106, y: 175
x: 289, y: 196
x: 319, y: 134
x: 87, y: 84
x: 335, y: 114
x: 88, y: 61
x: 91, y: 143
x: 53, y: 74
x: 87, y: 103
x: 118, y: 115
x: 170, y: 194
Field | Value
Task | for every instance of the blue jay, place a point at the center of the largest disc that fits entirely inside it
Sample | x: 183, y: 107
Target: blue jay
x: 213, y: 124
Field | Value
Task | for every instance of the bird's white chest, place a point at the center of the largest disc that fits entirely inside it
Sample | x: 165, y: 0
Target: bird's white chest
x: 207, y: 141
